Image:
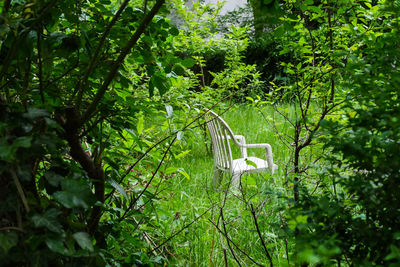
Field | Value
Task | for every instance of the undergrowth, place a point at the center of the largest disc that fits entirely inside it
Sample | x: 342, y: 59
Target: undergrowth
x: 201, y: 244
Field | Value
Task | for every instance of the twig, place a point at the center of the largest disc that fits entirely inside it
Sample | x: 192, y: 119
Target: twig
x: 212, y: 247
x: 168, y: 136
x: 125, y: 51
x: 236, y: 246
x: 39, y: 55
x: 63, y: 75
x: 286, y: 243
x: 283, y: 138
x: 183, y: 228
x: 6, y: 7
x: 148, y: 183
x: 81, y: 86
x: 227, y: 239
x: 12, y: 228
x: 225, y: 258
x: 20, y: 191
x: 260, y: 236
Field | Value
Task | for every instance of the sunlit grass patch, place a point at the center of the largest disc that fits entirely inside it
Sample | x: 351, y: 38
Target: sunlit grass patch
x: 201, y: 243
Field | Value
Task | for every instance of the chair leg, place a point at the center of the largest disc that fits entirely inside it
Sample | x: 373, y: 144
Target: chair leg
x: 236, y: 180
x: 217, y: 178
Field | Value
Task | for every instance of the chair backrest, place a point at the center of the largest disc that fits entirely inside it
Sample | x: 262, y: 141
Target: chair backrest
x: 220, y: 134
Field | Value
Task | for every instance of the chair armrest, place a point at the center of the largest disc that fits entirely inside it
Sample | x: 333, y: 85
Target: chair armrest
x: 268, y: 154
x: 241, y: 144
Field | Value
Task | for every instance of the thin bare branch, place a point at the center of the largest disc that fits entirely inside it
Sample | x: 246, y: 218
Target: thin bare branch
x: 133, y: 202
x: 81, y: 86
x: 183, y: 228
x: 125, y: 51
x: 260, y: 236
x: 227, y: 239
x: 236, y: 246
x: 20, y: 191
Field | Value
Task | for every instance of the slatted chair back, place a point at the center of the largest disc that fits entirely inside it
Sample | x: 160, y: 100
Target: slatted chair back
x: 220, y: 134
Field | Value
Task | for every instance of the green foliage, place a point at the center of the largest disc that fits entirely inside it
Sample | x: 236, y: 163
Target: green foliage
x: 74, y: 79
x: 97, y: 128
x: 219, y: 57
x: 356, y: 214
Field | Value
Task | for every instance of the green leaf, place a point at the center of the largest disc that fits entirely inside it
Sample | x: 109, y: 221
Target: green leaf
x: 182, y: 154
x: 117, y: 187
x: 161, y: 82
x: 24, y: 141
x: 140, y: 124
x: 56, y: 245
x: 188, y: 62
x: 53, y: 178
x: 151, y: 88
x: 178, y: 69
x: 7, y: 241
x: 173, y: 31
x: 182, y: 171
x: 170, y: 111
x: 75, y: 194
x: 251, y: 163
x: 180, y: 135
x: 6, y: 150
x: 48, y: 220
x: 170, y: 170
x: 34, y: 113
x: 84, y: 241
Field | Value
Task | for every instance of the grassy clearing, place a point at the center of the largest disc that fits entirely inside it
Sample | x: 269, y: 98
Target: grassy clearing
x: 201, y: 243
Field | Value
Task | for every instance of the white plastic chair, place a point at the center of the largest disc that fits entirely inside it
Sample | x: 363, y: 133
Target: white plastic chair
x: 223, y: 162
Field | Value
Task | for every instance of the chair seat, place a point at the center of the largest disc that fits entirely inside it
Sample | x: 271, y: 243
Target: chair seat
x: 240, y: 165
x: 221, y: 135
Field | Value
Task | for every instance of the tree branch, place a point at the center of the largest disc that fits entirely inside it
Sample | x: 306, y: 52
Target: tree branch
x: 260, y: 236
x: 236, y: 246
x: 94, y: 172
x: 100, y: 93
x: 81, y: 85
x: 227, y: 238
x: 148, y: 183
x: 6, y: 7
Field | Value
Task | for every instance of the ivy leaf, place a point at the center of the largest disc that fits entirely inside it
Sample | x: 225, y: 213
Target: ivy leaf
x: 24, y: 141
x: 75, y: 194
x: 7, y: 241
x: 84, y: 241
x: 34, y: 113
x: 48, y: 220
x: 56, y: 245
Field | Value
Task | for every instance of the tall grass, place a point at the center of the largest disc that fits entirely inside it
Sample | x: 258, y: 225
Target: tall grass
x: 201, y: 243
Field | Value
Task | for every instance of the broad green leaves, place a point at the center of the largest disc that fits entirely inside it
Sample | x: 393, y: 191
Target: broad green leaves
x: 84, y: 241
x: 7, y: 241
x: 48, y: 220
x: 75, y: 194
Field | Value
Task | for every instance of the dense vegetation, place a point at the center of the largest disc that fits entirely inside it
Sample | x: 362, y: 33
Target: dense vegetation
x: 105, y: 158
